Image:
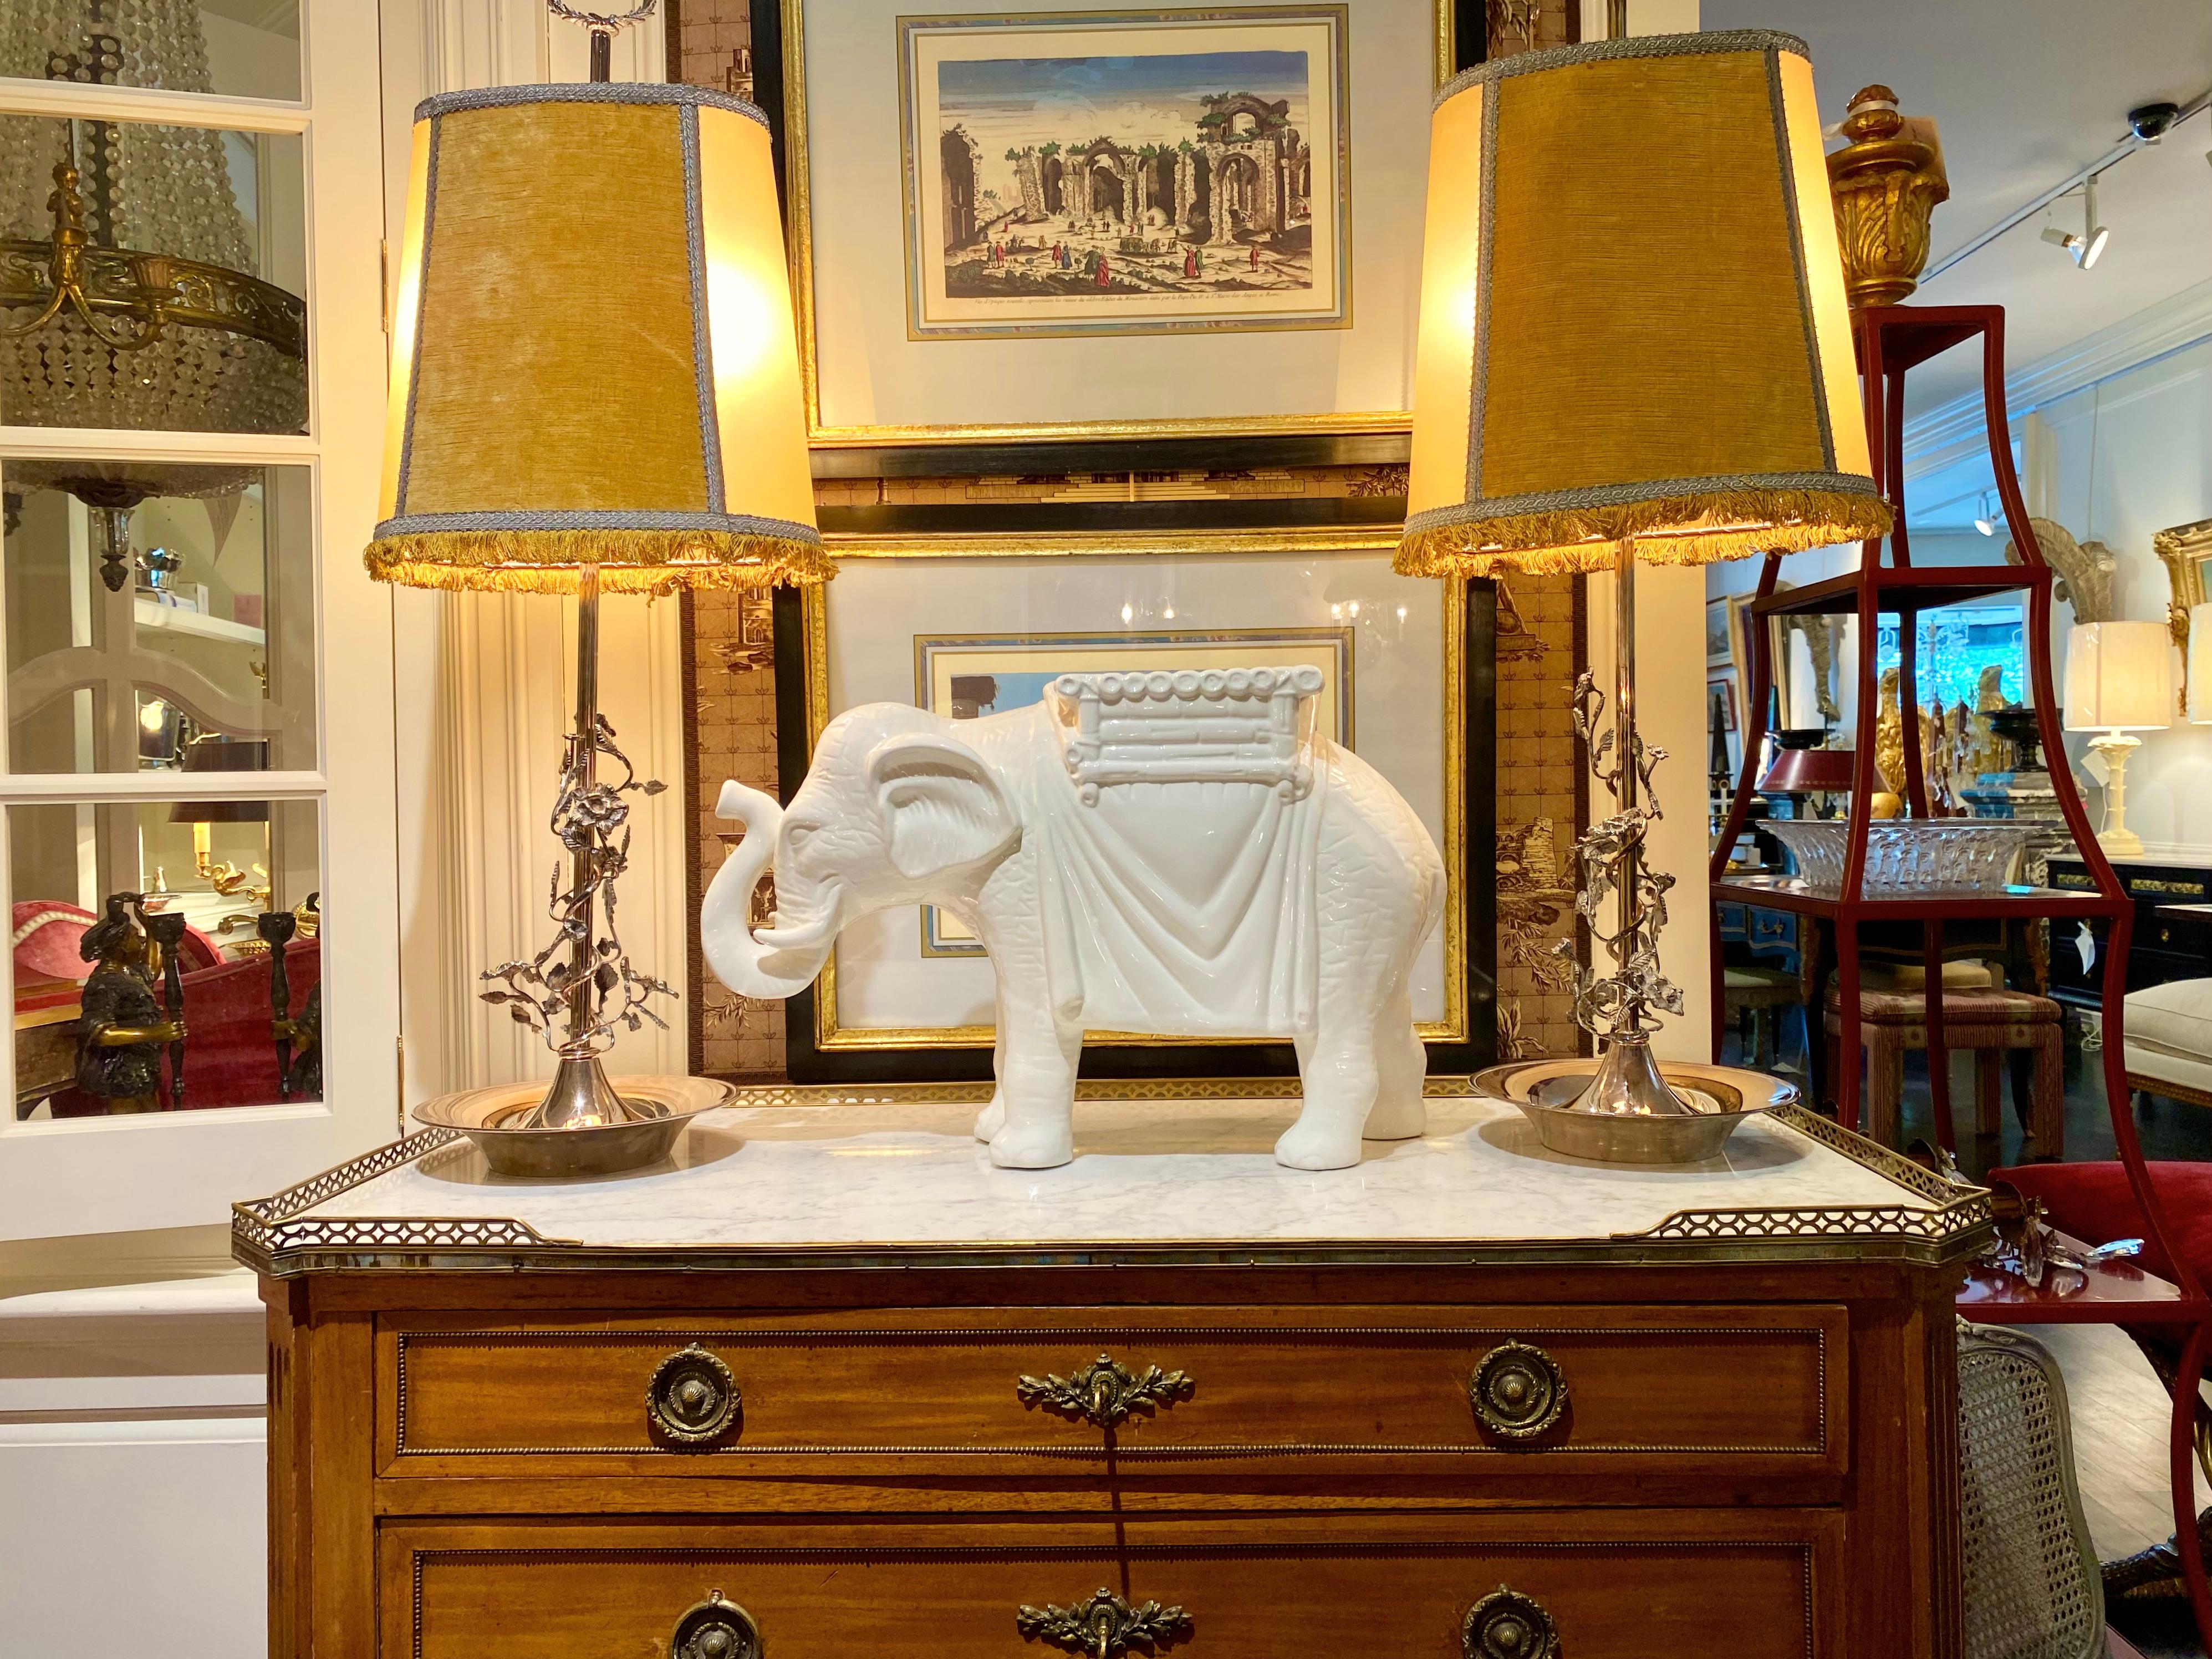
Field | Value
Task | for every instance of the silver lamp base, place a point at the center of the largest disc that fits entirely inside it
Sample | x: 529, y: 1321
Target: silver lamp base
x: 1566, y: 1101
x: 580, y: 1097
x: 499, y: 1120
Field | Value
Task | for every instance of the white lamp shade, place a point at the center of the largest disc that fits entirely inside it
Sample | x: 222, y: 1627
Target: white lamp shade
x: 2199, y: 678
x: 2119, y: 676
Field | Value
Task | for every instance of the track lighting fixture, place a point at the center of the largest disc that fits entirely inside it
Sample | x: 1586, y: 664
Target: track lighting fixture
x: 1985, y: 517
x: 2087, y: 247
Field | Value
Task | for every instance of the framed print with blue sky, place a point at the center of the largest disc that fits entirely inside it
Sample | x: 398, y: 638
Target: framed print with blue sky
x: 1130, y: 174
x: 1014, y: 224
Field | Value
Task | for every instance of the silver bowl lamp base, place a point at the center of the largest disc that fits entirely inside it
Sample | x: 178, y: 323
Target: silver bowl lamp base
x: 1628, y: 1108
x: 505, y: 1122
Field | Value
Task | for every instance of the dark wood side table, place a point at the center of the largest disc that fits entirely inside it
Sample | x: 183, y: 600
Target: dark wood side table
x: 2173, y: 935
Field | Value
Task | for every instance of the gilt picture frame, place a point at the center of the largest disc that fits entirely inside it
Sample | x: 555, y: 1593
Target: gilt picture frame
x: 853, y: 104
x: 884, y: 1008
x: 2185, y: 551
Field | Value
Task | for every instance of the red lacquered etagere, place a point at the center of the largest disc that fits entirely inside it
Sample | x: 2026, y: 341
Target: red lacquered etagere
x: 1890, y: 341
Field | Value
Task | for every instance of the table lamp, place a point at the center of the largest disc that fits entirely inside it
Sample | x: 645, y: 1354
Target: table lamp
x: 1634, y: 345
x: 597, y: 390
x: 1809, y: 772
x: 2119, y: 679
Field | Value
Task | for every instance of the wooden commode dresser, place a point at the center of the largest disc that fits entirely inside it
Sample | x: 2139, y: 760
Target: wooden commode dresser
x: 829, y: 1387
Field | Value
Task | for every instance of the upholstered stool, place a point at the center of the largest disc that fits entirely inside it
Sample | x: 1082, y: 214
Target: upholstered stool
x: 1989, y: 1022
x: 1757, y: 998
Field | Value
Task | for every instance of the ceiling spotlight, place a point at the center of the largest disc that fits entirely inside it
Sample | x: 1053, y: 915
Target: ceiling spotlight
x: 2088, y: 247
x: 1985, y: 518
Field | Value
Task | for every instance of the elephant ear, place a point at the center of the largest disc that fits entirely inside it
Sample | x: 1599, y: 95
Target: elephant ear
x: 941, y: 805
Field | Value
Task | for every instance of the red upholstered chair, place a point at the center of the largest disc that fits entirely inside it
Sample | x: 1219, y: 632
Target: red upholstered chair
x: 2095, y: 1203
x: 230, y: 1057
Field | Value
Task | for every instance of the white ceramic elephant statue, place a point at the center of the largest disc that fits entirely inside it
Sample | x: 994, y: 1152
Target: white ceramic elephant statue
x: 1171, y: 854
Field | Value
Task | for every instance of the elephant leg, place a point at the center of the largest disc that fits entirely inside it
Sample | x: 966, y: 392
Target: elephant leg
x: 1340, y: 1076
x: 993, y: 1117
x: 1036, y: 1090
x: 1401, y: 1067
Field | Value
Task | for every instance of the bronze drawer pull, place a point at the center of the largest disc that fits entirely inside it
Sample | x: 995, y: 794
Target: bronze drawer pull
x: 715, y: 1629
x: 1104, y: 1626
x: 1507, y: 1625
x: 1105, y: 1391
x: 692, y: 1400
x: 1518, y: 1392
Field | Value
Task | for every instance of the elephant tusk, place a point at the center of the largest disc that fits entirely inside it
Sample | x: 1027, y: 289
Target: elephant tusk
x: 808, y: 935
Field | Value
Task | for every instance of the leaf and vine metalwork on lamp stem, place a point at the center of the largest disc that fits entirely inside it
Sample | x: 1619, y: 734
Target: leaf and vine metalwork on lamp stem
x: 601, y: 23
x: 592, y: 819
x: 1609, y: 854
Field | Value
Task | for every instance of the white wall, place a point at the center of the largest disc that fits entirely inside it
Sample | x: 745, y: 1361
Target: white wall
x: 2133, y: 455
x: 133, y: 1469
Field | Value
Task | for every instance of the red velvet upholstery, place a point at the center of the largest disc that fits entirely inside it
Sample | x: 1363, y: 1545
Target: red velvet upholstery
x: 230, y: 1059
x: 2093, y: 1202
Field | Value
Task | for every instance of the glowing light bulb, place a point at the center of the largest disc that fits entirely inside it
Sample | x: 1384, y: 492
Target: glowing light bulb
x: 153, y: 715
x: 1127, y: 614
x: 1401, y: 613
x: 1354, y: 608
x: 1169, y: 613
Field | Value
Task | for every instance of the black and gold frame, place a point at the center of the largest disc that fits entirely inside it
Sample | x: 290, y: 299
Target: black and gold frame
x: 837, y: 1033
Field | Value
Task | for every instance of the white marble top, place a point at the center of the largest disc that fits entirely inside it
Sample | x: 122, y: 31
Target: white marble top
x: 777, y: 1178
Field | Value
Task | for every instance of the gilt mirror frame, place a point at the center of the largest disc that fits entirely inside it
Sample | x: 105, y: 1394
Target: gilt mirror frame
x: 2185, y: 551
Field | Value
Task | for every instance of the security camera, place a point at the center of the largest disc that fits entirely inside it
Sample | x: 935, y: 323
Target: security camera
x: 2149, y: 122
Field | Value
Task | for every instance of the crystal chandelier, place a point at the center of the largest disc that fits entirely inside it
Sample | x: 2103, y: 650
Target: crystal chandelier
x: 127, y: 292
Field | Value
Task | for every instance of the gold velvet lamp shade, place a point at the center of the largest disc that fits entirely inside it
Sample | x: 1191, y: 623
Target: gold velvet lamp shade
x: 1633, y: 315
x: 1634, y: 345
x: 597, y: 365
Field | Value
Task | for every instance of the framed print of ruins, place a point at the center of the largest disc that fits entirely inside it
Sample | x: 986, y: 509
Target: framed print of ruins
x: 1016, y: 224
x: 1139, y: 174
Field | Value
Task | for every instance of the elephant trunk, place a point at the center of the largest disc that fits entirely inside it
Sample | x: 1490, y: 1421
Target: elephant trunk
x: 768, y: 971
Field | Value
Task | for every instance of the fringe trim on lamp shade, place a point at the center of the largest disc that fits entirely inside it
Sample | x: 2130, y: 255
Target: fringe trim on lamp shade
x: 629, y: 561
x: 1701, y: 528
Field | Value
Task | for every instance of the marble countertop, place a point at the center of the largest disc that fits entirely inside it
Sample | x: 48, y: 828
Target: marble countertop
x: 881, y: 1179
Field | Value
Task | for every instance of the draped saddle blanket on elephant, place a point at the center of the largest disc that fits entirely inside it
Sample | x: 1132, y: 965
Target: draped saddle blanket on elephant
x: 1180, y: 836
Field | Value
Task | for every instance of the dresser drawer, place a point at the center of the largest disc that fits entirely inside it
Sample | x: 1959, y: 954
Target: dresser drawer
x: 1621, y: 1585
x: 1719, y: 1393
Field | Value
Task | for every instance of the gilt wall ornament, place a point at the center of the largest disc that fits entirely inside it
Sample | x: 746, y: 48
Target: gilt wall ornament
x: 2084, y: 570
x: 1173, y: 855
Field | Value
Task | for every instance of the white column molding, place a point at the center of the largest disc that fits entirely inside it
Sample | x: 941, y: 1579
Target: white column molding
x: 486, y: 681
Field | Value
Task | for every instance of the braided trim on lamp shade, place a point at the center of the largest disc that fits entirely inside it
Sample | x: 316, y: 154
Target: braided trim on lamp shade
x: 628, y: 561
x: 1668, y: 530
